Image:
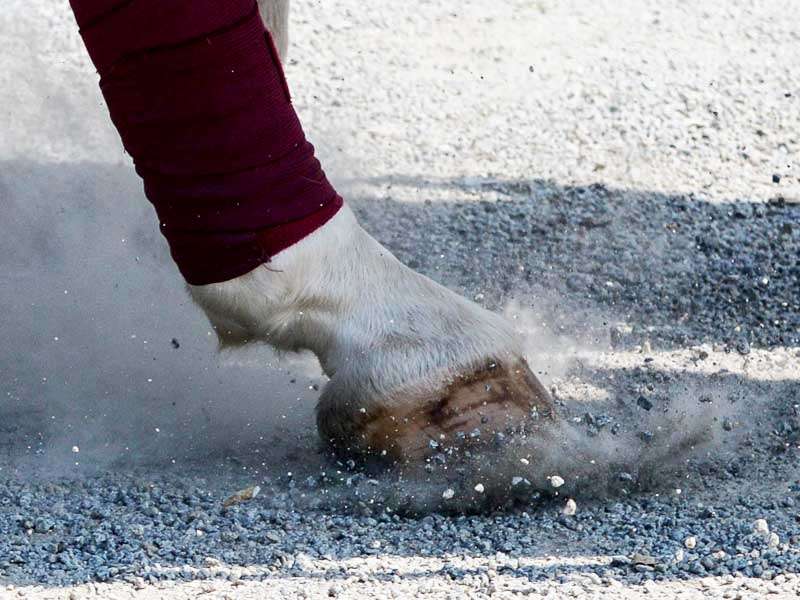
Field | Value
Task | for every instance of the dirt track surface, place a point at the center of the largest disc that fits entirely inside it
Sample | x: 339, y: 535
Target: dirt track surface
x: 619, y: 177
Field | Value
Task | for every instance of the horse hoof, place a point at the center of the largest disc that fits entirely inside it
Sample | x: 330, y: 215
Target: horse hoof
x: 471, y: 411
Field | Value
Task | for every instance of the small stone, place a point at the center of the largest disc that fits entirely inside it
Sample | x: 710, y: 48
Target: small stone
x: 773, y: 540
x: 727, y: 425
x: 272, y: 536
x: 776, y: 178
x: 601, y: 421
x: 619, y: 333
x: 594, y: 578
x: 643, y: 559
x: 690, y: 542
x: 241, y: 496
x: 570, y: 508
x: 43, y: 525
x: 620, y: 561
x: 644, y: 403
x: 448, y: 494
x: 556, y: 481
x: 708, y: 563
x: 627, y: 477
x: 479, y: 488
x: 761, y: 527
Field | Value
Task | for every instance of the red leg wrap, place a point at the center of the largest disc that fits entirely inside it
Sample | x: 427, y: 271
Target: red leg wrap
x: 197, y: 93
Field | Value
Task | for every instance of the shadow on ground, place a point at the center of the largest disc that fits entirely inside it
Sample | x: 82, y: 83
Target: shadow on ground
x: 693, y: 271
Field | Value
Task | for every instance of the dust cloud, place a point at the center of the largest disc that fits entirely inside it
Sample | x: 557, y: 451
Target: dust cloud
x: 103, y: 351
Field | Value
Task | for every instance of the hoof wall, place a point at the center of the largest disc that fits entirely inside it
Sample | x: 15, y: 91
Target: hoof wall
x: 473, y: 411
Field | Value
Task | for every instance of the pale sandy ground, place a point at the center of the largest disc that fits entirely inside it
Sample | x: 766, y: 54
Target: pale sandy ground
x: 428, y: 101
x: 359, y: 583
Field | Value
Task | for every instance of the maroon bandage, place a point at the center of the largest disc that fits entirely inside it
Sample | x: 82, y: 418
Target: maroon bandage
x: 197, y: 93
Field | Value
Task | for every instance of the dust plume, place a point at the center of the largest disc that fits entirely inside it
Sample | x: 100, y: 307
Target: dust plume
x: 628, y: 421
x: 105, y: 358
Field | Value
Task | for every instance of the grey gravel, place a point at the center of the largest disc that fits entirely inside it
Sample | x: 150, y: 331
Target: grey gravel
x: 622, y: 179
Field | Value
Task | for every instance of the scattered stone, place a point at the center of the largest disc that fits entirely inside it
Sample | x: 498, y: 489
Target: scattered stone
x: 644, y: 403
x: 708, y: 513
x: 638, y: 558
x: 620, y: 561
x: 620, y: 333
x: 570, y: 508
x: 761, y: 527
x: 743, y: 347
x: 44, y: 525
x: 594, y: 578
x: 273, y: 536
x: 244, y: 495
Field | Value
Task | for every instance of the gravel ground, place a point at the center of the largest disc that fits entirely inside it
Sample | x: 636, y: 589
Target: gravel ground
x: 620, y: 178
